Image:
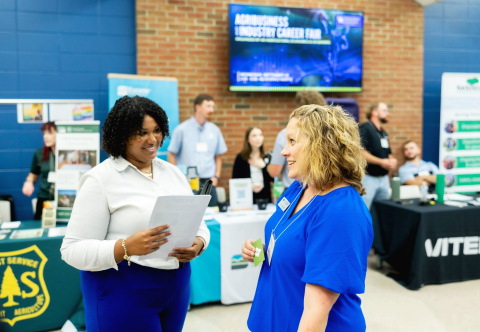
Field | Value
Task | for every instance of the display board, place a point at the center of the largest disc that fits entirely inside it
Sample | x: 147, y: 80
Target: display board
x: 162, y: 90
x: 460, y: 132
x: 77, y: 152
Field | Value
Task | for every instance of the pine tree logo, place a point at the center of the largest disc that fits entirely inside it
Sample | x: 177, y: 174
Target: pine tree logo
x: 9, y: 288
x: 23, y: 291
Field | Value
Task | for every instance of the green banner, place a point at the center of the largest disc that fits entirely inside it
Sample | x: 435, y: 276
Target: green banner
x: 469, y: 144
x: 468, y: 126
x: 77, y: 129
x: 468, y: 161
x: 64, y: 214
x: 467, y: 180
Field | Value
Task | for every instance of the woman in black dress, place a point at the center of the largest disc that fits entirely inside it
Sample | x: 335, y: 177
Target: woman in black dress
x: 252, y: 163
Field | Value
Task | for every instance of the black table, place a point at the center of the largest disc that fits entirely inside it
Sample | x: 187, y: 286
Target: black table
x: 427, y: 244
x: 38, y: 291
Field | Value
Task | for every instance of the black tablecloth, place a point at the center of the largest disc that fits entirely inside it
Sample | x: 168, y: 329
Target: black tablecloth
x: 426, y: 244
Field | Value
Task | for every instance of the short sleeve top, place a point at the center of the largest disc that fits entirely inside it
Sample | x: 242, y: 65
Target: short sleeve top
x: 326, y: 245
x: 371, y: 141
x: 409, y: 171
x: 42, y: 169
x: 184, y: 144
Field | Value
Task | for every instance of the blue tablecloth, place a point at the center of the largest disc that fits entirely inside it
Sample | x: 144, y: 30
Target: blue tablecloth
x: 205, y: 280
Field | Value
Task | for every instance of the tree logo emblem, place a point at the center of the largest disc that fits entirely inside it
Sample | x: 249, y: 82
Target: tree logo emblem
x: 472, y: 81
x: 23, y: 292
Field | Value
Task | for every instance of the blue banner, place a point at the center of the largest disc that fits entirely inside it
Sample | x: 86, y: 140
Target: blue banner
x: 162, y: 90
x: 294, y: 49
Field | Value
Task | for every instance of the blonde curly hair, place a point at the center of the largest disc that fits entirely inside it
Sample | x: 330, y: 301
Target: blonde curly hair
x: 333, y: 151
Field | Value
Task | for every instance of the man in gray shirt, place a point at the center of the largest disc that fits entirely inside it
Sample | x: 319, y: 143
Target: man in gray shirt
x: 199, y: 142
x: 278, y: 164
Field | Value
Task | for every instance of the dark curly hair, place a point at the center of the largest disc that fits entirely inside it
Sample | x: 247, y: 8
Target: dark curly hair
x: 125, y: 120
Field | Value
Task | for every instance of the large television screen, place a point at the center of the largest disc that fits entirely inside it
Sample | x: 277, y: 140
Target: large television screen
x: 295, y: 49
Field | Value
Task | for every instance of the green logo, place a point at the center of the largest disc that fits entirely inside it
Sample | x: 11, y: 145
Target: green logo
x: 472, y: 81
x: 238, y: 262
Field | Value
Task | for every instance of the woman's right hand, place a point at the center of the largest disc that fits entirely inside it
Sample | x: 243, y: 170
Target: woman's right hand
x: 248, y: 250
x: 28, y: 188
x: 147, y: 241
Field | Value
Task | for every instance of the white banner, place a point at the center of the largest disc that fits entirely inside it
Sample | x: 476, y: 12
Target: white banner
x: 460, y: 132
x: 77, y: 151
x: 239, y: 278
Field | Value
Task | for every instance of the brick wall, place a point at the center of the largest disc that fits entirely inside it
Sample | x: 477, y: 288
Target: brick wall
x: 188, y: 40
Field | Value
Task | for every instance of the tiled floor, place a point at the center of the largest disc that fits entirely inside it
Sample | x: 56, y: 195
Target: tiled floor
x: 388, y: 307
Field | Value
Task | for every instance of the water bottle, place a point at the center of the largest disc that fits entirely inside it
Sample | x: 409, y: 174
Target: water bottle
x: 277, y: 190
x: 423, y: 193
x: 396, y: 188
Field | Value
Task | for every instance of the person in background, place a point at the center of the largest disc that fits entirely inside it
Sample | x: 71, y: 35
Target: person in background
x: 320, y: 234
x: 108, y: 230
x: 199, y: 142
x: 415, y: 171
x: 377, y: 153
x: 252, y: 163
x: 278, y: 163
x: 43, y: 163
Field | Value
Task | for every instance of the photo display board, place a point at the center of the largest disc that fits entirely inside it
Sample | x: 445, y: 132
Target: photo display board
x: 77, y: 152
x: 460, y: 132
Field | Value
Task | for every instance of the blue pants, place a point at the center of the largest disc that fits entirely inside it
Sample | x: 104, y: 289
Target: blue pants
x: 136, y: 298
x: 376, y: 187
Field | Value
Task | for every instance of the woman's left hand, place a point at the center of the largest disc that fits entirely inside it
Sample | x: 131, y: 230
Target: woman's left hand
x: 185, y: 255
x: 257, y: 162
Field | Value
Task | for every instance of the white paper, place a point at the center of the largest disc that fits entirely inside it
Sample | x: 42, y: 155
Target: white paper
x: 241, y: 194
x: 57, y: 231
x: 454, y: 203
x: 458, y: 197
x: 184, y: 214
x: 11, y: 224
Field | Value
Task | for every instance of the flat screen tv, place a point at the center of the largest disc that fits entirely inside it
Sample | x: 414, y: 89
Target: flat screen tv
x: 295, y: 49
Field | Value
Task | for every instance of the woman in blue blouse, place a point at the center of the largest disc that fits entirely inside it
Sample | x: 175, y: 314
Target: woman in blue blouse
x: 320, y: 234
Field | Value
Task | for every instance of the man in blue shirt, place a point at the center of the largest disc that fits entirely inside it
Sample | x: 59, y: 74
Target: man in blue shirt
x: 198, y: 142
x: 415, y: 171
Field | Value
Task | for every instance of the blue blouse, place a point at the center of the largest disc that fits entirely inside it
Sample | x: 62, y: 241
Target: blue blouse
x: 328, y: 246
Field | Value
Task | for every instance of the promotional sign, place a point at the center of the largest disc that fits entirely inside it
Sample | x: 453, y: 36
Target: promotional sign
x: 460, y: 132
x: 238, y: 277
x: 241, y: 194
x: 295, y: 49
x: 23, y: 286
x: 32, y: 112
x: 77, y: 152
x: 162, y: 90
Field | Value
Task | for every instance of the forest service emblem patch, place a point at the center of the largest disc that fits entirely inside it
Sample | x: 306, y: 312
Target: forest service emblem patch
x: 23, y: 293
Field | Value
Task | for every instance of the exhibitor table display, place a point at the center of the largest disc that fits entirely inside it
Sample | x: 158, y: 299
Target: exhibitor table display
x: 220, y: 273
x: 39, y: 291
x: 428, y: 244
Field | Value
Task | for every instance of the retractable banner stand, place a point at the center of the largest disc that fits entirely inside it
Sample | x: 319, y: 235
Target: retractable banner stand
x: 77, y: 152
x: 162, y: 90
x: 460, y: 132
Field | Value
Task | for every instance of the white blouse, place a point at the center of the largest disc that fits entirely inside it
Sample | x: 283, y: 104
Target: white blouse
x: 115, y: 200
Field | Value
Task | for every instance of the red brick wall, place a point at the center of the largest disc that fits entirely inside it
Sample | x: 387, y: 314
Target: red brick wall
x: 188, y: 39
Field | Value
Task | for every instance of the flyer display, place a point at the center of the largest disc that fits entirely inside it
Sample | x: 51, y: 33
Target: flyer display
x: 77, y: 152
x: 460, y: 132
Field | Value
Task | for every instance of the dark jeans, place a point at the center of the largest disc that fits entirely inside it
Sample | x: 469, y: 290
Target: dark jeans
x: 214, y: 200
x: 39, y: 209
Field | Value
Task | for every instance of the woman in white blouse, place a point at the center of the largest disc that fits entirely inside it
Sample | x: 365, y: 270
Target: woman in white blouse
x: 107, y: 234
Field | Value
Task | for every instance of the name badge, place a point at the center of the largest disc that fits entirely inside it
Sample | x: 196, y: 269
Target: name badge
x: 52, y: 177
x: 284, y: 204
x: 384, y: 143
x: 271, y: 246
x: 202, y: 147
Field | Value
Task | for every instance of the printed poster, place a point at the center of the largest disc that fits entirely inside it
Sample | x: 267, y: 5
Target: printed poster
x: 77, y: 152
x: 32, y: 113
x: 460, y: 132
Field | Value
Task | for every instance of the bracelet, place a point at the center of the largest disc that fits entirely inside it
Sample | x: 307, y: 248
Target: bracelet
x: 126, y: 253
x: 218, y: 178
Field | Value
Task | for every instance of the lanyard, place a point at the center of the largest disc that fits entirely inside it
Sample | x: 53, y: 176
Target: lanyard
x: 376, y: 131
x: 273, y: 231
